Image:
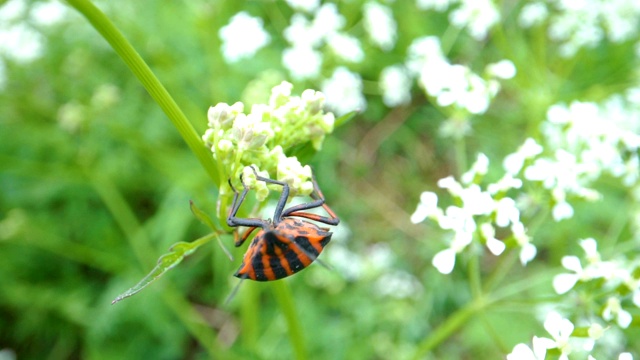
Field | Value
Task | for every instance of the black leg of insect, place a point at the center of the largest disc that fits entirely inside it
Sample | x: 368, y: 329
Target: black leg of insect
x: 286, y: 244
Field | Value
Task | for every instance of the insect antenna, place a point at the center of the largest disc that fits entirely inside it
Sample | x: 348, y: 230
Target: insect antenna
x: 235, y: 289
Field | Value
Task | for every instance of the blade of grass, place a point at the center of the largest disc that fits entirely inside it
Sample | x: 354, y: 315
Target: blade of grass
x: 285, y: 300
x: 150, y: 82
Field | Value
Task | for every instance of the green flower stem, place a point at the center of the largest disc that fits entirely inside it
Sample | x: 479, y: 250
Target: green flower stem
x: 460, y: 148
x: 449, y: 326
x: 144, y: 74
x: 285, y: 300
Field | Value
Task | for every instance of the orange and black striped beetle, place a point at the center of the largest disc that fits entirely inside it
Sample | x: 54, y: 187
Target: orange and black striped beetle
x: 284, y: 245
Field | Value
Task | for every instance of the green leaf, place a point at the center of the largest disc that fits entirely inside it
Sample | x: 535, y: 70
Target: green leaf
x: 344, y: 119
x: 165, y: 263
x: 205, y: 219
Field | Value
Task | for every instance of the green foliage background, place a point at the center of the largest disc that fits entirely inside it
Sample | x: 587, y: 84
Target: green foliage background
x: 87, y: 211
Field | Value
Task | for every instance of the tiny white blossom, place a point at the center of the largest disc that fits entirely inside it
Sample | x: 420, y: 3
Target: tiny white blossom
x: 395, y: 84
x: 614, y: 309
x: 444, y: 261
x: 437, y: 5
x: 537, y: 352
x: 478, y: 16
x: 625, y: 356
x: 560, y: 330
x: 495, y: 246
x: 532, y: 14
x: 243, y: 37
x: 562, y: 210
x: 565, y: 282
x: 303, y: 62
x: 504, y: 69
x: 304, y: 5
x: 328, y: 20
x: 479, y: 168
x: 513, y: 162
x: 506, y: 183
x: 380, y: 25
x: 346, y: 47
x: 427, y: 207
x: 20, y: 42
x: 48, y: 13
x: 528, y: 251
x: 344, y: 91
x: 506, y: 212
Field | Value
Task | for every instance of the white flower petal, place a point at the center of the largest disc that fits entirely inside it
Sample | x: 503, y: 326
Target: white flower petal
x: 444, y: 261
x: 527, y: 253
x: 495, y: 246
x: 572, y: 263
x: 562, y: 283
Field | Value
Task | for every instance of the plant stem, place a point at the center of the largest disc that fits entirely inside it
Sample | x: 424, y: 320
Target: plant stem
x: 285, y: 300
x: 144, y: 74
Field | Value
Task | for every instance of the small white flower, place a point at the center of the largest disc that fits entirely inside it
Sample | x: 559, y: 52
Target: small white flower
x: 479, y: 168
x: 346, y: 47
x: 625, y: 356
x: 21, y: 42
x: 506, y: 183
x: 614, y: 309
x: 495, y: 246
x: 504, y: 69
x: 560, y: 330
x: 528, y: 251
x: 513, y: 163
x: 427, y: 207
x: 506, y: 212
x: 344, y: 91
x: 451, y: 185
x: 303, y: 62
x: 444, y: 261
x: 537, y: 352
x: 532, y: 14
x: 590, y: 247
x: 380, y: 25
x: 395, y: 84
x: 561, y: 211
x: 478, y: 16
x: 328, y: 20
x: 595, y: 331
x: 304, y: 5
x: 437, y: 5
x: 48, y: 13
x: 565, y: 282
x: 242, y: 37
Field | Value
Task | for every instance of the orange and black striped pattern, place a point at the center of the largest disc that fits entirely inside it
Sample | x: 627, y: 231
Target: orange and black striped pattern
x: 283, y: 250
x: 287, y: 244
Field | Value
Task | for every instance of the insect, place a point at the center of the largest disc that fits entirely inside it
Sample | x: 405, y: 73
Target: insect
x: 285, y: 244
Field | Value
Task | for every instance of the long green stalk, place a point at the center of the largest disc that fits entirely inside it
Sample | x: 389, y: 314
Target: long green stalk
x: 144, y: 74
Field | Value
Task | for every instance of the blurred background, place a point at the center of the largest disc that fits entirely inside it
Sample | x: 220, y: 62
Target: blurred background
x: 95, y: 184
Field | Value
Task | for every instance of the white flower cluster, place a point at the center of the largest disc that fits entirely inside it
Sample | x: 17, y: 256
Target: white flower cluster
x: 454, y: 84
x: 580, y: 24
x: 587, y: 141
x: 20, y: 40
x: 566, y: 339
x: 479, y: 212
x: 262, y: 137
x: 617, y: 280
x: 618, y: 283
x: 243, y: 37
x: 477, y: 16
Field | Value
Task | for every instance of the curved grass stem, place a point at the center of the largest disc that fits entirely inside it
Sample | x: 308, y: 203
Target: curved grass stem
x: 141, y: 70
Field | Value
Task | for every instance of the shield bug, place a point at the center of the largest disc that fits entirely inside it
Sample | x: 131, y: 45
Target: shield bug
x: 285, y: 244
